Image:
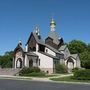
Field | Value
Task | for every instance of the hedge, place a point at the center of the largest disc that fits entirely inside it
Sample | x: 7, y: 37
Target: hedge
x: 34, y: 71
x: 35, y: 74
x: 75, y: 69
x: 29, y: 70
x: 82, y: 74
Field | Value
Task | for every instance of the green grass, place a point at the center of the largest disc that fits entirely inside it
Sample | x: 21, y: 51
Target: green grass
x: 46, y: 76
x: 69, y: 79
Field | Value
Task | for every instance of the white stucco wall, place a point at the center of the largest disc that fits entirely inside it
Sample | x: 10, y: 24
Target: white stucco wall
x: 27, y: 48
x: 50, y: 51
x: 37, y: 47
x: 45, y: 61
x: 26, y: 63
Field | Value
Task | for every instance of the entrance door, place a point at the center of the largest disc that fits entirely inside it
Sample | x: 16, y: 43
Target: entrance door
x: 70, y: 65
x: 31, y: 63
x: 19, y: 63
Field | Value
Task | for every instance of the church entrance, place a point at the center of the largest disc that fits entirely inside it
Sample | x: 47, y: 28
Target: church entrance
x: 19, y: 63
x: 31, y: 63
x: 70, y: 64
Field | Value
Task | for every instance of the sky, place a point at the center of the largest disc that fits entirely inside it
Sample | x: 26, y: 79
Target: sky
x: 18, y: 18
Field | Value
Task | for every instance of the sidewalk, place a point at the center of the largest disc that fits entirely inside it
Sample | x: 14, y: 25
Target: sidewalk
x: 33, y: 78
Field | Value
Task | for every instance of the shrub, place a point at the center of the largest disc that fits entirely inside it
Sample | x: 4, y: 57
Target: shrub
x: 75, y: 69
x: 82, y: 74
x: 35, y: 74
x: 34, y: 71
x: 87, y: 64
x: 61, y: 68
x: 29, y: 70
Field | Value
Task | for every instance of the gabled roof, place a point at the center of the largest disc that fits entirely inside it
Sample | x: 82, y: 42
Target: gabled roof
x: 53, y: 49
x: 31, y: 54
x: 19, y: 47
x: 62, y: 48
x: 74, y: 55
x: 54, y: 36
x: 50, y: 55
x: 40, y: 41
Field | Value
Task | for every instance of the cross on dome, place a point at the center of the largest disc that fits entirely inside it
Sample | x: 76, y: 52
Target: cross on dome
x: 52, y: 25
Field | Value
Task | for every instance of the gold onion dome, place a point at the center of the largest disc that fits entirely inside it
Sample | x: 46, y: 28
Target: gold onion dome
x: 52, y: 25
x: 52, y: 22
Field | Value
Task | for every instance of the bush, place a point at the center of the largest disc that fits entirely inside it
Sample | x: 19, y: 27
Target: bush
x: 82, y: 74
x: 61, y: 68
x: 35, y: 74
x: 34, y: 71
x: 87, y: 64
x: 6, y: 60
x: 75, y: 69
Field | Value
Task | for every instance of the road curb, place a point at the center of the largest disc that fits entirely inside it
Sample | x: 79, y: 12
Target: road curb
x: 38, y: 79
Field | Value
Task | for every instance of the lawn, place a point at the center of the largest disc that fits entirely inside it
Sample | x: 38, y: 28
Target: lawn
x: 69, y: 79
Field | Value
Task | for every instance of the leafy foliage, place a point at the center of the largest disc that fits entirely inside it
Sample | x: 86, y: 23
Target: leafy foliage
x: 61, y: 68
x: 34, y: 71
x: 76, y: 46
x: 82, y: 74
x: 88, y: 47
x: 75, y: 69
x: 6, y: 60
x: 85, y: 59
x: 29, y: 70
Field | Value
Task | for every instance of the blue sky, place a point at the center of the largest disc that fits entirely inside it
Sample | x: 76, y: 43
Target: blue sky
x: 19, y: 17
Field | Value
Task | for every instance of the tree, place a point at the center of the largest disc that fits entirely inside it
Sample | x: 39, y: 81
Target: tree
x: 85, y: 59
x: 6, y: 60
x: 88, y: 47
x: 76, y: 46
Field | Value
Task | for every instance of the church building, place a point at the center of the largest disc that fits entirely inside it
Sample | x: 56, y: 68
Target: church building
x: 45, y: 54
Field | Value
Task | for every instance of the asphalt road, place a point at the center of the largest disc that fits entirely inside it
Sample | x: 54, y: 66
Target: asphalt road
x: 34, y: 85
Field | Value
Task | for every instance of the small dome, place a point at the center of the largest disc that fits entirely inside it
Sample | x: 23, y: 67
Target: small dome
x: 37, y: 30
x: 52, y: 22
x: 20, y: 42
